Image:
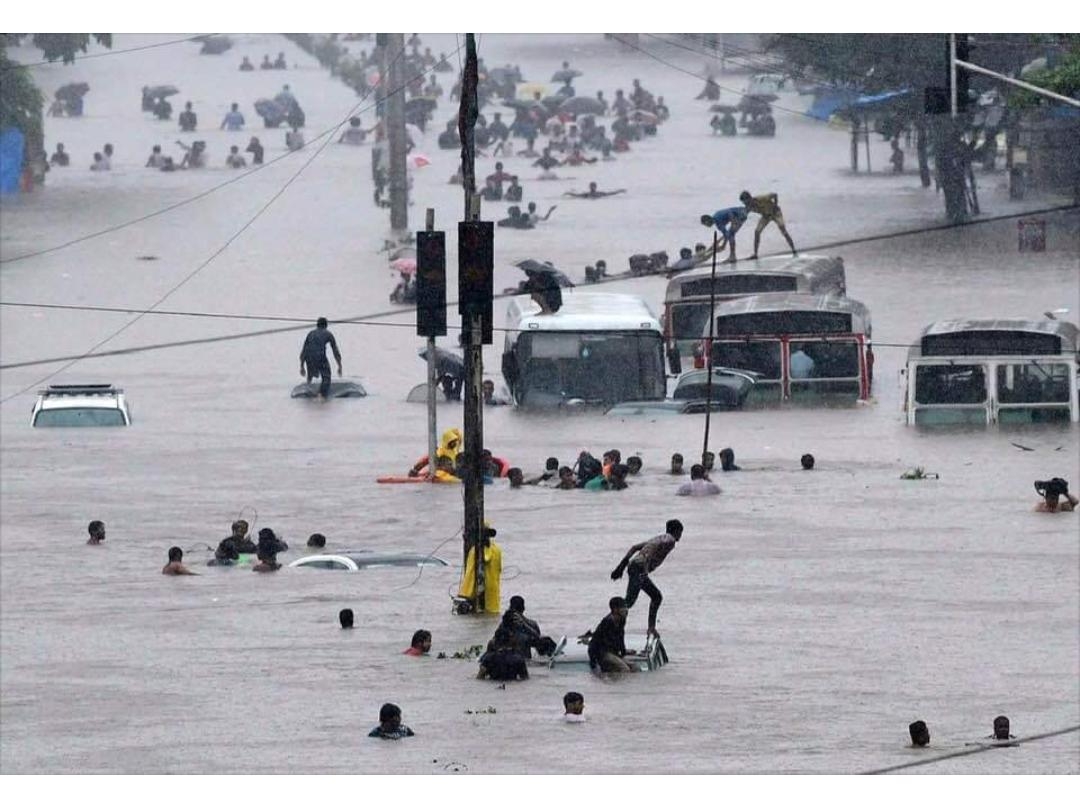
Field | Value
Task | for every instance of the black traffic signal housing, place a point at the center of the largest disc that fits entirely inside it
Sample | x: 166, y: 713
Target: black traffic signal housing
x: 431, y: 283
x: 476, y: 266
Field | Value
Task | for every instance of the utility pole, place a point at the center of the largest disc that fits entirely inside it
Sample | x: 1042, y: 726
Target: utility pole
x: 474, y: 295
x: 429, y: 228
x: 394, y: 120
x: 708, y: 353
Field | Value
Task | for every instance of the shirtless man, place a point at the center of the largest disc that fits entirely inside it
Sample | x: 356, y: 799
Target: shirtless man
x: 1052, y: 490
x: 176, y: 565
x: 593, y: 193
x: 641, y: 560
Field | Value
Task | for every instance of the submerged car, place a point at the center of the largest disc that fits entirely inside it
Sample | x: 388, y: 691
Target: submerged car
x: 364, y: 559
x: 691, y: 395
x: 81, y: 405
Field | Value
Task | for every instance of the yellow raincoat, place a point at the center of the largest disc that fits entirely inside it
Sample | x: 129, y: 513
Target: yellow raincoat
x: 492, y: 576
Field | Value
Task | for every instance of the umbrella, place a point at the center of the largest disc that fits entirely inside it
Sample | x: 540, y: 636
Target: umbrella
x: 214, y: 45
x: 531, y: 266
x: 403, y: 252
x: 564, y: 75
x: 754, y: 101
x: 446, y: 363
x: 553, y: 102
x: 582, y: 105
x: 72, y: 91
x: 720, y: 108
x: 406, y: 266
x: 269, y: 108
x: 419, y: 160
x: 163, y: 90
x: 528, y: 91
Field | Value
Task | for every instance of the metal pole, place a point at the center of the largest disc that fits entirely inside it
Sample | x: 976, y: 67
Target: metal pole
x: 395, y: 130
x: 431, y: 378
x: 952, y: 75
x: 708, y: 352
x: 474, y: 359
x: 1072, y: 101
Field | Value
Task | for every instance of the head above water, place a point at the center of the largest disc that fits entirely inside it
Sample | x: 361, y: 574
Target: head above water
x: 920, y: 734
x: 389, y: 713
x: 96, y: 529
x: 316, y: 540
x: 697, y: 472
x: 421, y: 640
x: 240, y: 528
x: 676, y: 463
x: 727, y: 459
x: 708, y: 460
x: 807, y: 461
x: 634, y: 464
x: 573, y: 703
x: 345, y: 617
x: 552, y: 464
x: 517, y: 603
x: 515, y: 477
x: 1001, y: 727
x: 175, y: 554
x: 321, y: 322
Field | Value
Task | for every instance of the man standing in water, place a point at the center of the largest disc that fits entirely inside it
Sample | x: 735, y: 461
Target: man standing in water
x: 313, y: 355
x: 641, y: 560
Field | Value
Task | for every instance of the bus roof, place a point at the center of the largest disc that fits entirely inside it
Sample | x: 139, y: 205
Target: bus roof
x: 962, y: 337
x: 780, y: 302
x: 582, y: 311
x: 809, y: 266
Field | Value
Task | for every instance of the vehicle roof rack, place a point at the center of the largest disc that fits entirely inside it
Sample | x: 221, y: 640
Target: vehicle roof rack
x: 80, y: 388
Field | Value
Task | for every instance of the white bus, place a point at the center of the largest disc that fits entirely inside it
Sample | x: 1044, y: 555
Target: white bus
x: 686, y: 301
x: 983, y: 371
x: 598, y: 348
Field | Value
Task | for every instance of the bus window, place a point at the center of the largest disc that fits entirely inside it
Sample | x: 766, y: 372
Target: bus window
x: 823, y: 360
x: 688, y: 320
x: 945, y: 384
x: 763, y: 357
x: 1033, y: 383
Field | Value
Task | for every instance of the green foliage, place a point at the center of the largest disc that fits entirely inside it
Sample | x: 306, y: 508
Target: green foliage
x: 1063, y: 79
x: 59, y: 45
x: 20, y: 100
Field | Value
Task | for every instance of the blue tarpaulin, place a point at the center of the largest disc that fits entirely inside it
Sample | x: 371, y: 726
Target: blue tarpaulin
x: 870, y: 100
x: 828, y: 101
x: 12, y: 148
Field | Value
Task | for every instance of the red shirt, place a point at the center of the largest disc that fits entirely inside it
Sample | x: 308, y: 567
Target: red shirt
x: 413, y: 651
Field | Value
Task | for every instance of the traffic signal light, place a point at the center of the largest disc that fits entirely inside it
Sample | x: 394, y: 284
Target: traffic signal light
x: 476, y: 266
x: 431, y: 283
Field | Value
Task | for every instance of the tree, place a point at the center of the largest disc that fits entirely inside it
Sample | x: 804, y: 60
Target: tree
x: 874, y: 63
x: 20, y: 99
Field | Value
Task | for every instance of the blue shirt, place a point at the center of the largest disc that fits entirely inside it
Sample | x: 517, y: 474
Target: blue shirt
x: 727, y: 215
x: 234, y: 121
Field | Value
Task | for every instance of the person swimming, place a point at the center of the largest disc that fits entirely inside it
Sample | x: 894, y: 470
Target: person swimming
x: 96, y: 529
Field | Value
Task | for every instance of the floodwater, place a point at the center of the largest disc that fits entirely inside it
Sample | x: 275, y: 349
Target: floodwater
x: 809, y: 616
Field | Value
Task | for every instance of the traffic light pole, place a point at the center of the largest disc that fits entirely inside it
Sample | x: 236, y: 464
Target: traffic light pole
x: 473, y: 329
x: 432, y: 376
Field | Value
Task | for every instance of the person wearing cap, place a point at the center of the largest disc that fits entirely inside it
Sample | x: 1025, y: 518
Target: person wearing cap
x: 643, y: 559
x: 313, y: 356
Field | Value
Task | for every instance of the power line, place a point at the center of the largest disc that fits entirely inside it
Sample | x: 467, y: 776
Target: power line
x: 370, y: 319
x: 977, y: 749
x: 695, y: 75
x: 214, y: 255
x: 16, y: 65
x: 243, y: 176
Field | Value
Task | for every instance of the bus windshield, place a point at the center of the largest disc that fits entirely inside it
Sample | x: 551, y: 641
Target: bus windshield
x: 611, y: 367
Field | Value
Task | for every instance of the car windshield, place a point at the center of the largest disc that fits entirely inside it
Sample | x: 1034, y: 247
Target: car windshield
x: 78, y: 417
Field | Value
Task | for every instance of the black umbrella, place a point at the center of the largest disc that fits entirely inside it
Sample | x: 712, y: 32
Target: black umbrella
x: 582, y: 105
x: 564, y: 75
x: 163, y: 90
x: 72, y: 91
x: 214, y: 45
x: 446, y: 363
x: 752, y: 101
x: 531, y: 266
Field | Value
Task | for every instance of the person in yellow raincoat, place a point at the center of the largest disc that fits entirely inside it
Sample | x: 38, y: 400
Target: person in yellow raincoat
x: 450, y: 444
x: 492, y: 574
